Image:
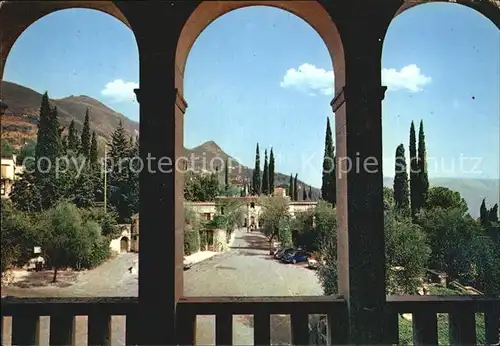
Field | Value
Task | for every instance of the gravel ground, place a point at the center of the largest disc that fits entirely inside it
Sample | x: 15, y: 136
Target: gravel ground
x: 246, y: 270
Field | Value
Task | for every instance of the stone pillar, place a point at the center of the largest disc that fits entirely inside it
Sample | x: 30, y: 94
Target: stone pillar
x: 360, y: 218
x: 161, y: 202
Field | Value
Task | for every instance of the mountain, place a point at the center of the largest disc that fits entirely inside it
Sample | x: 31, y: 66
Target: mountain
x: 20, y: 119
x: 209, y: 156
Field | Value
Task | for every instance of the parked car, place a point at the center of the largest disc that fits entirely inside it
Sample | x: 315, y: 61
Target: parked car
x: 187, y: 263
x: 283, y: 251
x: 296, y: 256
x: 313, y: 263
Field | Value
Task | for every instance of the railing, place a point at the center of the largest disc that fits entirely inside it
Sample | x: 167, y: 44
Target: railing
x: 65, y: 327
x: 262, y: 308
x: 26, y: 327
x: 464, y: 313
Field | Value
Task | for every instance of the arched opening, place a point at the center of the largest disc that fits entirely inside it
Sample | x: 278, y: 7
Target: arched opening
x: 204, y: 80
x: 441, y: 149
x: 124, y: 244
x: 86, y: 60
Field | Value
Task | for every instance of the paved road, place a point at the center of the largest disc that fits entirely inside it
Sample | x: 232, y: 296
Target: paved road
x: 245, y: 270
x: 248, y: 270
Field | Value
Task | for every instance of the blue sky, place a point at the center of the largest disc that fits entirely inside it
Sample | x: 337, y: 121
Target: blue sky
x: 263, y: 75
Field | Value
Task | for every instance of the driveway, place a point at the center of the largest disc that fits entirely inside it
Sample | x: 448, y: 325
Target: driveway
x: 248, y: 270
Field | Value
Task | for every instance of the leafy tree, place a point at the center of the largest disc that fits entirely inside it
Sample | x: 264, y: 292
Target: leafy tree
x: 422, y: 167
x: 275, y: 214
x: 401, y: 190
x: 256, y: 180
x: 325, y: 224
x: 7, y: 149
x: 406, y: 252
x: 25, y: 194
x: 65, y: 240
x: 442, y: 197
x: 17, y: 236
x: 85, y: 138
x: 265, y: 175
x: 271, y: 172
x: 389, y: 202
x: 328, y: 187
x: 451, y: 234
x: 295, y: 188
x: 93, y: 155
x: 200, y: 187
x: 310, y: 193
x: 414, y: 181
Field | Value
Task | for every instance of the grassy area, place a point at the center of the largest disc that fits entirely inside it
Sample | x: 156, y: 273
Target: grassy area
x: 405, y: 326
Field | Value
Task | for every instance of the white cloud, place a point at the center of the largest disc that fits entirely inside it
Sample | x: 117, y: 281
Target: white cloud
x: 310, y: 79
x: 120, y: 91
x: 409, y: 77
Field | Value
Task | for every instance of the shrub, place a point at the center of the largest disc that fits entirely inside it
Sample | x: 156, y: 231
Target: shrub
x: 191, y: 242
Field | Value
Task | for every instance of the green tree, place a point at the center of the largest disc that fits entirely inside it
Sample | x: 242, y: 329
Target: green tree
x: 443, y: 197
x: 451, y: 234
x: 93, y: 156
x: 296, y: 188
x: 256, y: 180
x: 304, y: 194
x: 414, y: 181
x: 85, y: 142
x: 483, y: 213
x: 7, y: 149
x: 310, y: 193
x: 200, y: 187
x: 73, y: 143
x: 328, y: 187
x: 265, y: 175
x: 64, y: 239
x: 407, y: 253
x: 226, y: 176
x: 401, y: 190
x: 25, y: 194
x: 275, y: 215
x: 271, y: 172
x: 389, y: 202
x: 291, y: 192
x: 27, y: 151
x: 422, y: 167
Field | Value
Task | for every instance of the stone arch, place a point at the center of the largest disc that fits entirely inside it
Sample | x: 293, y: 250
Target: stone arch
x: 17, y: 16
x: 312, y: 12
x: 124, y: 244
x: 488, y: 8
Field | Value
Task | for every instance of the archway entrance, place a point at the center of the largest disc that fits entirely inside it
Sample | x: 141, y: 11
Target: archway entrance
x: 124, y: 244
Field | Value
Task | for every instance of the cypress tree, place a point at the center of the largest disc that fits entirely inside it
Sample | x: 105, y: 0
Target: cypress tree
x: 310, y: 193
x: 256, y: 173
x: 85, y: 141
x: 226, y: 175
x: 265, y: 175
x: 72, y: 137
x: 423, y: 178
x: 304, y: 194
x: 327, y: 190
x: 401, y: 190
x: 290, y: 188
x: 119, y: 150
x: 64, y: 144
x: 41, y: 149
x: 483, y: 213
x: 271, y: 172
x: 296, y: 188
x: 414, y: 186
x: 93, y: 150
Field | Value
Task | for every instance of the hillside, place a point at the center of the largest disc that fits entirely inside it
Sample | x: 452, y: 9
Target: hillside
x: 20, y: 119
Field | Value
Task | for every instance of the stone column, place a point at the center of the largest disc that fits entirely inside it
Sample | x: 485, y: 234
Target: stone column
x: 360, y: 218
x: 161, y: 185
